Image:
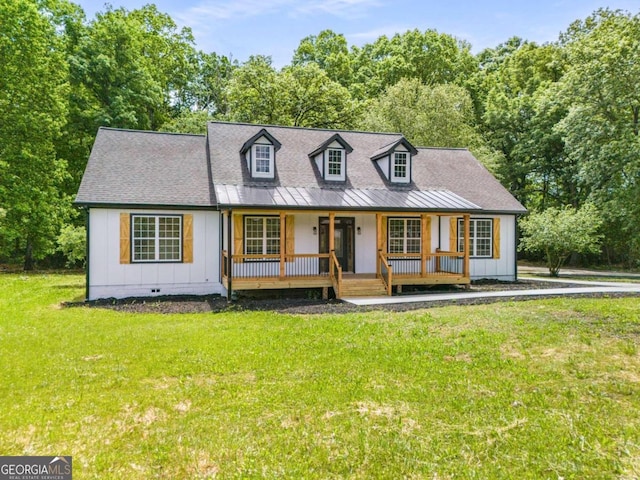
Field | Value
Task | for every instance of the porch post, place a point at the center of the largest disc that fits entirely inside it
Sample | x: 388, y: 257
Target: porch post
x: 467, y: 245
x: 424, y: 234
x: 378, y: 242
x: 230, y: 245
x: 332, y: 243
x: 283, y: 226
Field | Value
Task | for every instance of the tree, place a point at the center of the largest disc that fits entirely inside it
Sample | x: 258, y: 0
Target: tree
x: 435, y: 116
x: 431, y: 57
x: 520, y: 111
x: 301, y: 96
x: 127, y: 68
x: 330, y: 52
x: 207, y: 88
x: 601, y: 127
x: 559, y: 232
x: 72, y: 242
x: 33, y: 88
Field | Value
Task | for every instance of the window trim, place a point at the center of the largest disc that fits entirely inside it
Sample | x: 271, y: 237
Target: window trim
x: 392, y: 167
x: 254, y: 157
x: 404, y: 238
x: 264, y: 238
x: 341, y: 177
x: 473, y: 240
x: 157, y: 238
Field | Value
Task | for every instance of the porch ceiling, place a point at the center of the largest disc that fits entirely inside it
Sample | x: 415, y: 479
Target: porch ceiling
x: 348, y: 198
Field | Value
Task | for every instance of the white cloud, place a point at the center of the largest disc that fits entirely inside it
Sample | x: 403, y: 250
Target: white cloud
x: 372, y: 35
x: 208, y: 10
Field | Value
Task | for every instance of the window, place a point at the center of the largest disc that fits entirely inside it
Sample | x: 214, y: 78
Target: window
x: 262, y: 235
x: 404, y: 235
x: 263, y: 161
x: 157, y: 238
x: 335, y: 164
x: 480, y: 237
x: 400, y: 166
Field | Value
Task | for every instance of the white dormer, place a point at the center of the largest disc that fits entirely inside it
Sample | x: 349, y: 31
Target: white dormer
x: 260, y: 155
x: 331, y: 158
x: 395, y: 161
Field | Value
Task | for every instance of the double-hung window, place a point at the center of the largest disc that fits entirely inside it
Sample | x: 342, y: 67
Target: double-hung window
x: 262, y: 235
x: 480, y: 237
x: 157, y: 238
x: 263, y: 161
x: 400, y: 167
x: 335, y: 168
x: 404, y: 235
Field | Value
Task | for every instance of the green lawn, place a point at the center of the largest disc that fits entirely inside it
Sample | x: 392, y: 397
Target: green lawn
x: 541, y: 389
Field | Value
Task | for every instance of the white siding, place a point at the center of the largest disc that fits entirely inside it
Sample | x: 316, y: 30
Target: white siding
x: 366, y: 254
x: 497, y: 269
x: 109, y: 278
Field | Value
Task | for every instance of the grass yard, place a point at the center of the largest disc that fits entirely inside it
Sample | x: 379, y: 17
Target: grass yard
x: 540, y: 389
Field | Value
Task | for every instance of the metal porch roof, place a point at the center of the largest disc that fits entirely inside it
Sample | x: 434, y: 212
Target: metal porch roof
x: 349, y: 198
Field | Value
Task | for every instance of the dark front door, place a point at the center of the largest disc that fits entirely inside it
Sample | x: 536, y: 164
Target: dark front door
x: 343, y: 239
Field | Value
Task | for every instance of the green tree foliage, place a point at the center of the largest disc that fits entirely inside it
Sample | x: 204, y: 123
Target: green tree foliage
x: 434, y: 116
x: 72, y: 242
x: 206, y: 90
x: 300, y: 95
x: 602, y: 91
x: 330, y: 52
x: 559, y: 232
x: 33, y: 89
x: 431, y: 57
x: 126, y: 70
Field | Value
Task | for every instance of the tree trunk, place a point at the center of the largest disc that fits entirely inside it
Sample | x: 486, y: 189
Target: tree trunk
x: 29, y: 264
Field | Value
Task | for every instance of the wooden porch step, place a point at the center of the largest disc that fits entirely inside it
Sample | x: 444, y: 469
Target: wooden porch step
x: 362, y: 287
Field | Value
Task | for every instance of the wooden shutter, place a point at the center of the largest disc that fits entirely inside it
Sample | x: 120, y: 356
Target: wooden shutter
x: 187, y: 238
x: 453, y: 234
x: 125, y: 238
x: 238, y: 237
x: 496, y: 238
x: 289, y: 237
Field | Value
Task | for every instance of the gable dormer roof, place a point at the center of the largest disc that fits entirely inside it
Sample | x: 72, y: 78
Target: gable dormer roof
x: 387, y: 149
x: 262, y: 133
x: 334, y: 138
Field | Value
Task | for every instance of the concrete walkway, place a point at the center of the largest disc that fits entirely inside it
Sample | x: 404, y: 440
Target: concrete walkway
x: 588, y: 288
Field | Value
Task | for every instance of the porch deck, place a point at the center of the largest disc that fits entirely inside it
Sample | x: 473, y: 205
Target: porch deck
x: 254, y: 272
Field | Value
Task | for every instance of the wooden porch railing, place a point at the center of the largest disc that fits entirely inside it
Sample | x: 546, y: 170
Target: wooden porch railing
x: 434, y: 264
x: 386, y: 272
x: 274, y: 265
x: 335, y: 273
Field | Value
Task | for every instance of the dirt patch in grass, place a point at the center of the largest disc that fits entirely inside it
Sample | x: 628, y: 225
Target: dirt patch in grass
x: 309, y: 301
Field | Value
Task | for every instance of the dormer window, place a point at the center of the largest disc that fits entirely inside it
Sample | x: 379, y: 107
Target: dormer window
x: 260, y: 155
x: 394, y: 160
x: 263, y: 161
x: 331, y: 158
x: 335, y: 164
x: 399, y: 170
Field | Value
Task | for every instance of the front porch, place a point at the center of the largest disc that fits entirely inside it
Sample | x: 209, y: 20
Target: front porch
x: 337, y: 268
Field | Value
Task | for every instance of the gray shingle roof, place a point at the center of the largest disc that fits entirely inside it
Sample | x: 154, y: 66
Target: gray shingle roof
x: 137, y: 168
x: 454, y: 173
x: 128, y: 167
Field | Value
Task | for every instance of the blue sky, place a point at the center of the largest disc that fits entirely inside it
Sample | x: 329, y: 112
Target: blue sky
x: 240, y: 28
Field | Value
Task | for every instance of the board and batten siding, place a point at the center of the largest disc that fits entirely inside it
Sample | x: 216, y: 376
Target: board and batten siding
x: 110, y: 277
x: 501, y: 268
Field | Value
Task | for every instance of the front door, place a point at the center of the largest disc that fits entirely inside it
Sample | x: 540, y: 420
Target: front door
x: 343, y: 239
